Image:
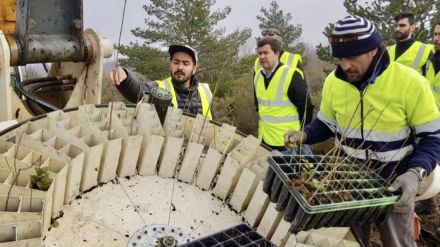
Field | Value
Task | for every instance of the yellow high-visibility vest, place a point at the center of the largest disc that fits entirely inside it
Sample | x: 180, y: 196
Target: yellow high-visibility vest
x: 434, y: 79
x: 276, y: 112
x: 415, y: 57
x: 203, y: 89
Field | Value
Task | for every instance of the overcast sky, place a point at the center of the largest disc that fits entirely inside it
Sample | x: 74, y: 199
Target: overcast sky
x: 105, y: 16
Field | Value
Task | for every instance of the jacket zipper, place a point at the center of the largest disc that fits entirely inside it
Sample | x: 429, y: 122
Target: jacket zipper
x: 362, y: 121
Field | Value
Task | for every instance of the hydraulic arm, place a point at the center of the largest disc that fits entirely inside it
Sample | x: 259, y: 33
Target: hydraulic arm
x: 48, y: 31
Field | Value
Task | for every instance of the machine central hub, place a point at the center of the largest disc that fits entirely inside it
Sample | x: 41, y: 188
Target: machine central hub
x: 158, y: 236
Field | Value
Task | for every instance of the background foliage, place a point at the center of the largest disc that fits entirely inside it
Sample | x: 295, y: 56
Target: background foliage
x: 226, y: 59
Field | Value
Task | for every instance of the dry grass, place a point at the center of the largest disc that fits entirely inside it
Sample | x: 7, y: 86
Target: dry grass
x: 314, y: 70
x: 238, y: 107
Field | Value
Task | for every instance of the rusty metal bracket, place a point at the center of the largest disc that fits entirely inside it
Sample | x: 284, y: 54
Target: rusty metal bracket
x: 50, y: 31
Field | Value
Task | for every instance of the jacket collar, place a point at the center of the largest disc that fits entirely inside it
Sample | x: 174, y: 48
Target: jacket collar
x: 405, y: 43
x: 274, y: 71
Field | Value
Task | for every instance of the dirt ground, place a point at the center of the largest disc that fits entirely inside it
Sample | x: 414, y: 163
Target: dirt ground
x: 430, y: 236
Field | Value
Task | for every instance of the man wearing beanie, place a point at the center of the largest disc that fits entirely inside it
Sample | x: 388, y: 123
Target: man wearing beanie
x: 376, y: 109
x: 292, y: 60
x: 188, y: 94
x: 408, y: 51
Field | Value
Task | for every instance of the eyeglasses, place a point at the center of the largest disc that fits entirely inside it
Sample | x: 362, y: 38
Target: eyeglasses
x: 270, y: 32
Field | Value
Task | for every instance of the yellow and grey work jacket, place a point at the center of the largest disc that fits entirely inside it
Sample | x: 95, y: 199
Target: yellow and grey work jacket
x: 202, y: 88
x: 415, y: 57
x: 375, y: 124
x: 277, y: 114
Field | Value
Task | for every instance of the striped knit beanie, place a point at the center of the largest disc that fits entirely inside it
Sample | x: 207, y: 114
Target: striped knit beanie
x: 353, y: 36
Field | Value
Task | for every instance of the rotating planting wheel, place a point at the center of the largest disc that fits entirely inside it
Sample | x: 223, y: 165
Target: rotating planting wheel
x: 110, y: 175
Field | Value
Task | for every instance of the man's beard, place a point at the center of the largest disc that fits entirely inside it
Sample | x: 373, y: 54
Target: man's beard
x: 437, y: 47
x: 180, y: 81
x: 401, y: 35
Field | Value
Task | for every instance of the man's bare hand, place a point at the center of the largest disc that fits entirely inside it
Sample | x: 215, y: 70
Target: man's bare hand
x: 117, y: 76
x: 292, y: 138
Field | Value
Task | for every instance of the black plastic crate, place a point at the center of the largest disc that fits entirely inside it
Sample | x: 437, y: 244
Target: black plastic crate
x: 239, y: 235
x: 351, y: 194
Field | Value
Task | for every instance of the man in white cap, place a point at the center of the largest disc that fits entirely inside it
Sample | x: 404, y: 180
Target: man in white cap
x: 187, y: 93
x: 377, y: 109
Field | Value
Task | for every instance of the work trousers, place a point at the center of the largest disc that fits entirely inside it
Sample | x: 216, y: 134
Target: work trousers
x: 396, y: 231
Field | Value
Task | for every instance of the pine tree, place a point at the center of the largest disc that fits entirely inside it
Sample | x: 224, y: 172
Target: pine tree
x: 274, y: 17
x: 188, y: 22
x: 381, y: 12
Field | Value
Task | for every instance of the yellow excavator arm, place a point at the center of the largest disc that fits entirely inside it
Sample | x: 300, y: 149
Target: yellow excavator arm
x: 7, y: 17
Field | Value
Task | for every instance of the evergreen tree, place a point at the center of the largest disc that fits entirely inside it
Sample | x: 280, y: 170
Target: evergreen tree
x: 274, y: 17
x: 188, y: 22
x: 381, y: 12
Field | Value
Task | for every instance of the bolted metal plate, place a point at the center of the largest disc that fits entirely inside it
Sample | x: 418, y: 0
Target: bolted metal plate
x: 151, y: 236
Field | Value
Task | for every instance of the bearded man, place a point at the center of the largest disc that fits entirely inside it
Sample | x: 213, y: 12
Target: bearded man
x: 187, y: 93
x: 407, y: 50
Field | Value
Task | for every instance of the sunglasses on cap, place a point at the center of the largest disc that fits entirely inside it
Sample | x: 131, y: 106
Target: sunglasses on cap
x: 270, y: 32
x: 336, y: 39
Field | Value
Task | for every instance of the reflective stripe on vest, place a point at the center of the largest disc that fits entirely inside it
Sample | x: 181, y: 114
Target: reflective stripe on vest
x: 428, y: 127
x: 279, y: 119
x: 276, y: 113
x: 204, y: 92
x: 419, y: 56
x: 415, y: 56
x: 388, y: 156
x: 374, y: 135
x: 381, y: 131
x: 206, y: 98
x: 290, y: 60
x: 279, y: 97
x: 434, y: 79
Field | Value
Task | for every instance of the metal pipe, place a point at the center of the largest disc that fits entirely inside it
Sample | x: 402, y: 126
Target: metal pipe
x: 34, y: 88
x: 32, y: 98
x: 44, y: 79
x: 55, y: 88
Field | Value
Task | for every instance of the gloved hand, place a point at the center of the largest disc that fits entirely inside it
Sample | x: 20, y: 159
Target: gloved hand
x: 293, y: 137
x: 408, y: 182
